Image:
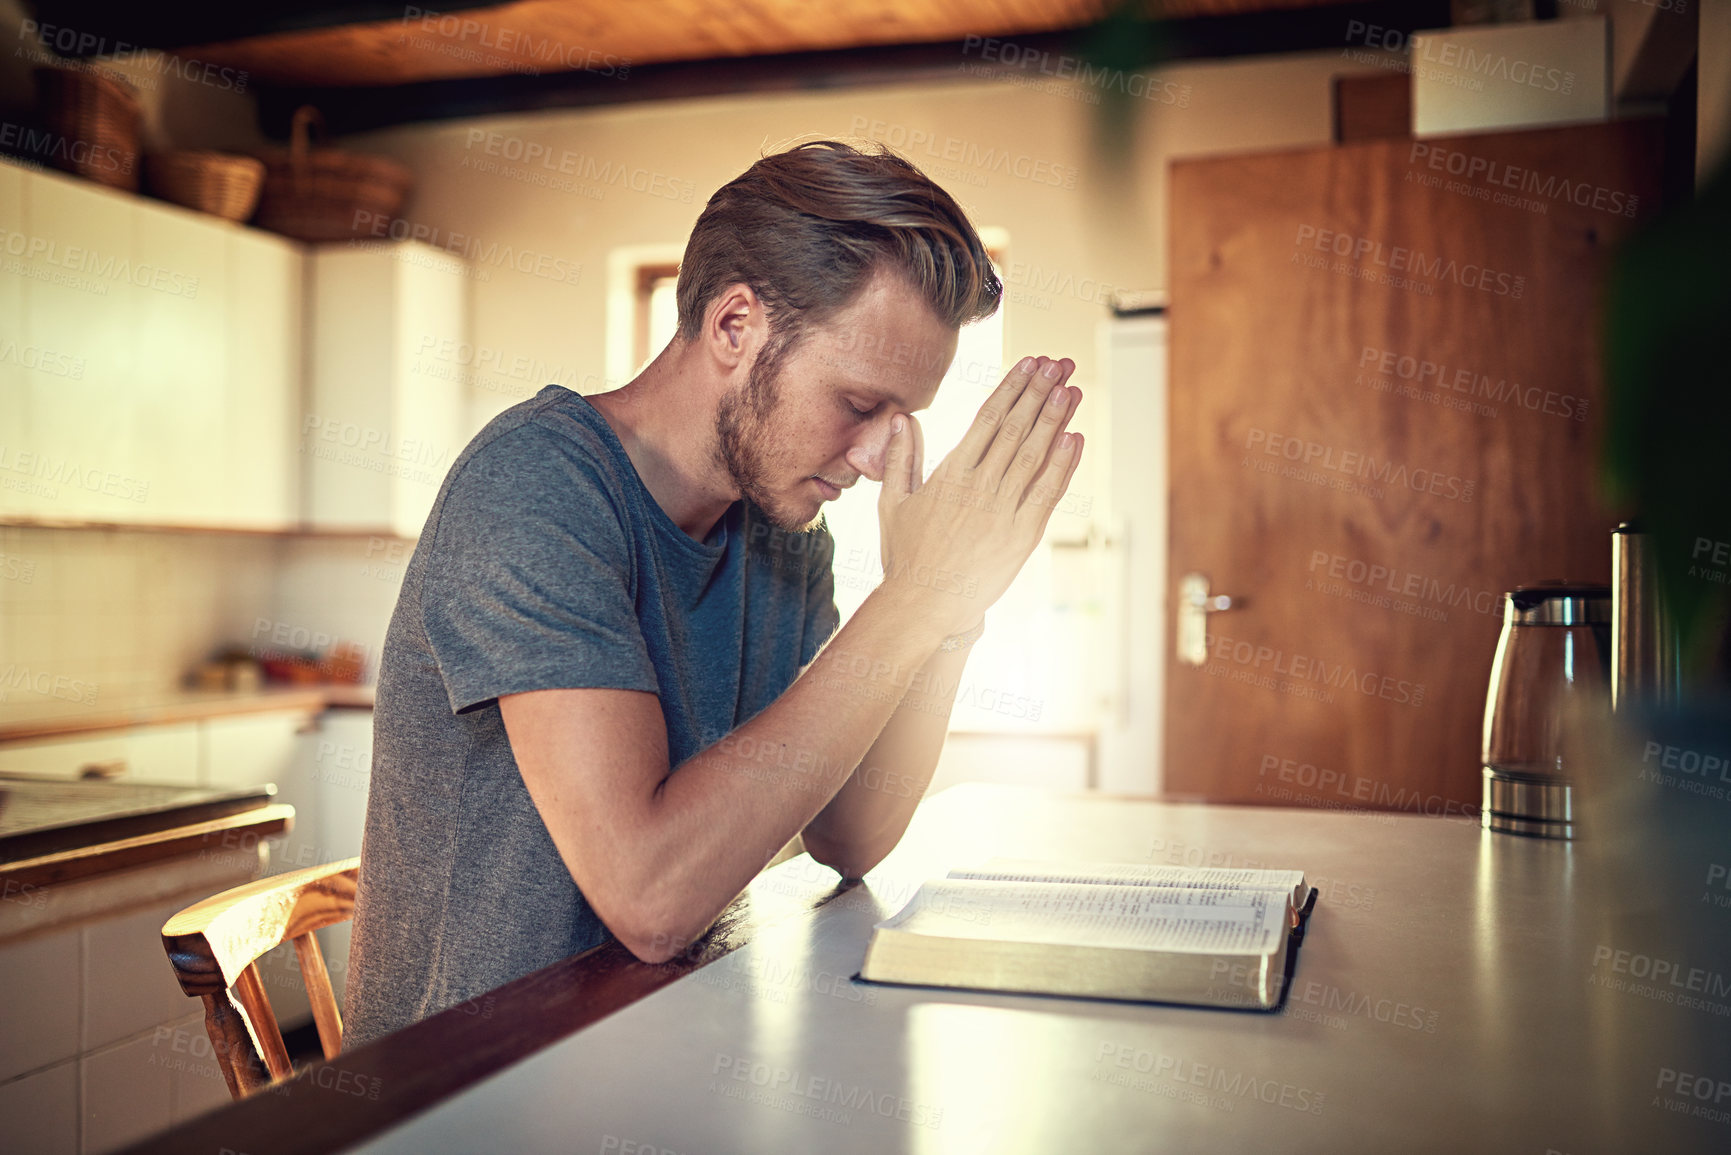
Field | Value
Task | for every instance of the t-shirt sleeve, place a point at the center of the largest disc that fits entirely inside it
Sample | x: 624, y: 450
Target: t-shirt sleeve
x: 821, y: 615
x: 528, y: 580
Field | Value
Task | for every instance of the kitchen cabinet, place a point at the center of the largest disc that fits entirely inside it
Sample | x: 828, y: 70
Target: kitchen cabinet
x: 384, y: 418
x: 151, y: 368
x: 249, y: 749
x: 334, y: 763
x: 180, y: 380
x: 41, y: 1110
x: 260, y: 474
x: 258, y: 748
x: 12, y: 400
x: 167, y: 754
x: 62, y: 757
x: 149, y: 358
x: 220, y: 752
x: 316, y: 766
x: 73, y: 352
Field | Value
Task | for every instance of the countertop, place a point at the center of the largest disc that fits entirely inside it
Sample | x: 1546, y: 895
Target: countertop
x: 45, y: 717
x: 72, y: 851
x: 55, y: 832
x: 40, y: 817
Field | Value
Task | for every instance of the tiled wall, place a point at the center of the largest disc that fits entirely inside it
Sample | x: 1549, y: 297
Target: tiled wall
x: 120, y: 613
x: 113, y: 614
x: 336, y: 587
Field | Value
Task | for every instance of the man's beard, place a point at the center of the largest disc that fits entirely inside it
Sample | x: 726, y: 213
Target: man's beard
x: 744, y: 444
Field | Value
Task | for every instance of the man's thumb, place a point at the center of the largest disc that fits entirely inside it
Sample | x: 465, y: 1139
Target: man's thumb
x: 896, y: 458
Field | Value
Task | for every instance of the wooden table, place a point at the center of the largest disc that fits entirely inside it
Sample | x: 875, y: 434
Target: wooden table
x: 1456, y: 991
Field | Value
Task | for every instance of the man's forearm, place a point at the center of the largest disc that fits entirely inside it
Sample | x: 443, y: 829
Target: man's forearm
x: 726, y: 810
x: 868, y: 816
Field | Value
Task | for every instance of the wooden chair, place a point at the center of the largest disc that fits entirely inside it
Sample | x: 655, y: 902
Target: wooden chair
x: 214, y: 945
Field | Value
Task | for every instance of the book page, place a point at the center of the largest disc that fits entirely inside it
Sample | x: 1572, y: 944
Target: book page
x: 1242, y: 921
x: 1216, y: 878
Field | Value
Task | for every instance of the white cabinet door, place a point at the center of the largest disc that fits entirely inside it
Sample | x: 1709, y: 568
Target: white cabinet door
x: 261, y: 468
x: 74, y: 456
x: 379, y: 436
x: 432, y: 309
x: 257, y: 748
x: 164, y: 754
x: 62, y: 757
x: 181, y: 373
x: 348, y: 416
x: 155, y: 755
x: 252, y: 749
x: 14, y: 405
x: 150, y: 361
x: 247, y: 749
x: 338, y: 760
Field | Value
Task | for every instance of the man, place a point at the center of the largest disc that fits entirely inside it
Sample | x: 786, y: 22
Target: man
x: 606, y: 701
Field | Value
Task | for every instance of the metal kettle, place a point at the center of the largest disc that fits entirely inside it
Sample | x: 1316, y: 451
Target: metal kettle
x: 1553, y: 653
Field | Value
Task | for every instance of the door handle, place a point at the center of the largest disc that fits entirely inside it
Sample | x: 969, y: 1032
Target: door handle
x: 1194, y: 605
x: 113, y: 768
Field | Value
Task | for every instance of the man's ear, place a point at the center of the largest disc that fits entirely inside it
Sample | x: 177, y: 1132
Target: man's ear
x: 735, y: 326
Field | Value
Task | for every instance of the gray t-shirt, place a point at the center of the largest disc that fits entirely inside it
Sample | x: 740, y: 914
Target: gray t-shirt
x: 545, y: 563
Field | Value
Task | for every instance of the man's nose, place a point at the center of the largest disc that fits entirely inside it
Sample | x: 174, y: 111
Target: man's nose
x: 867, y: 455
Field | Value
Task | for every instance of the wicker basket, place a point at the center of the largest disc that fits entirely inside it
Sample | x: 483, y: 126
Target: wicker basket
x: 219, y: 183
x: 92, y: 121
x: 327, y: 194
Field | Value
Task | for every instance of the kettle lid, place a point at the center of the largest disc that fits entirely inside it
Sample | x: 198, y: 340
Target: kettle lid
x: 1558, y: 603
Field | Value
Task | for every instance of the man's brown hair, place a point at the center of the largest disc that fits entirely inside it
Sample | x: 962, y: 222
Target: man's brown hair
x: 808, y: 227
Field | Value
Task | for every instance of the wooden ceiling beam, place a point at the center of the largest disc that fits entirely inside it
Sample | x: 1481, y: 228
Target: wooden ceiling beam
x: 98, y: 25
x: 357, y: 109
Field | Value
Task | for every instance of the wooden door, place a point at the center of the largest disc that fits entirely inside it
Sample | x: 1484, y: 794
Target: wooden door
x: 1385, y: 400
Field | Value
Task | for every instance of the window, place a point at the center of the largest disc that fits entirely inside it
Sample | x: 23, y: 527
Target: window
x: 657, y: 312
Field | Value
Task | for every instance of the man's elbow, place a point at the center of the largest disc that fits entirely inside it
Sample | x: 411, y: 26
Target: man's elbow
x: 651, y: 936
x: 849, y: 861
x: 654, y: 948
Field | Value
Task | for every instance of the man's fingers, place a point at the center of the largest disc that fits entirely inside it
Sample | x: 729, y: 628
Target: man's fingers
x: 1075, y: 460
x: 1052, y: 483
x: 1023, y: 420
x: 979, y: 436
x: 917, y: 458
x: 1054, y: 415
x: 896, y: 462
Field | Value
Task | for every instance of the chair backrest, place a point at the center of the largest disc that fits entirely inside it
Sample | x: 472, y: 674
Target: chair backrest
x: 214, y: 945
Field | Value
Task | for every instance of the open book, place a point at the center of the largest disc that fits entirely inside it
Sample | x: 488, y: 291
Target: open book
x: 1111, y: 930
